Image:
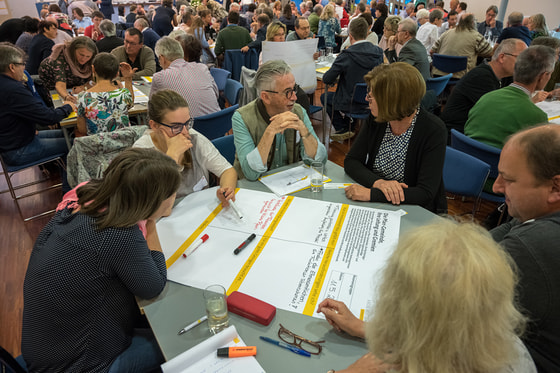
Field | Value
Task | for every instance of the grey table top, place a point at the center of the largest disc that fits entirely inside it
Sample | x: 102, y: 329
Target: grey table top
x: 178, y: 305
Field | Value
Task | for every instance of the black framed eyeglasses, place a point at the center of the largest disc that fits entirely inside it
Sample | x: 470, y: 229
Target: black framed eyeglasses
x: 305, y: 344
x: 288, y: 92
x: 510, y: 54
x: 177, y: 128
x: 18, y: 63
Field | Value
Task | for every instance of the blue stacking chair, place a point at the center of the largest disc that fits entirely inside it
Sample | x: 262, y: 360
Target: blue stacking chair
x: 220, y: 77
x: 234, y: 59
x: 449, y: 64
x: 226, y: 147
x: 465, y: 175
x: 485, y: 153
x: 216, y: 124
x: 10, y: 364
x: 438, y: 84
x: 233, y: 91
x: 359, y: 106
x: 9, y: 171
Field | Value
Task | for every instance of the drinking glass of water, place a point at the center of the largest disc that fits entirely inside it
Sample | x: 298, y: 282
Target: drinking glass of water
x: 316, y: 176
x: 216, y: 308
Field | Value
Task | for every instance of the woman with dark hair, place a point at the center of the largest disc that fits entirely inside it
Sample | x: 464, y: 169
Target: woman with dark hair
x: 69, y: 66
x: 104, y: 107
x: 80, y: 20
x: 31, y: 29
x: 191, y: 47
x: 172, y: 133
x: 88, y: 265
x: 165, y: 18
x: 398, y: 155
x: 381, y: 12
x: 41, y: 46
x: 288, y: 18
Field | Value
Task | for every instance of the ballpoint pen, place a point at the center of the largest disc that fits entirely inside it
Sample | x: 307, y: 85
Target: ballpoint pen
x: 192, y: 325
x: 244, y: 244
x: 234, y: 207
x: 286, y: 346
x: 297, y: 181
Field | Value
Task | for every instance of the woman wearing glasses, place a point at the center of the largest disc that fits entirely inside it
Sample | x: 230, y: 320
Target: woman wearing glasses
x: 172, y: 133
x: 446, y: 303
x: 398, y: 155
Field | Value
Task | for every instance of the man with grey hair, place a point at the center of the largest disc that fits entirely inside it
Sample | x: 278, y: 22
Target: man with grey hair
x: 150, y: 36
x: 190, y: 79
x: 408, y: 11
x: 314, y: 18
x: 491, y: 25
x: 515, y: 29
x: 21, y: 111
x: 273, y: 130
x: 428, y: 33
x: 529, y: 177
x: 412, y: 52
x: 505, y: 111
x: 110, y: 40
x: 484, y: 78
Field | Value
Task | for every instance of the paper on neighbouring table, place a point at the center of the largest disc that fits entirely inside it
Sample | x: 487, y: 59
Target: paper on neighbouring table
x: 552, y: 110
x: 305, y: 250
x: 202, y: 358
x: 139, y: 96
x: 147, y: 79
x: 290, y: 180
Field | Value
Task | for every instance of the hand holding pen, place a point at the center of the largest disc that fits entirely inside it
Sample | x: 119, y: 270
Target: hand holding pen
x: 225, y: 194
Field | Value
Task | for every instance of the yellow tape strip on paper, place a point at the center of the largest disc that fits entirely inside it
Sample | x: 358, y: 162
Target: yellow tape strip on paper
x: 236, y: 284
x: 177, y: 254
x: 313, y: 297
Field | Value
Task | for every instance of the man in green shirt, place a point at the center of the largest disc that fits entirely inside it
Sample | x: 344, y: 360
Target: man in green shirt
x: 505, y: 111
x: 314, y: 18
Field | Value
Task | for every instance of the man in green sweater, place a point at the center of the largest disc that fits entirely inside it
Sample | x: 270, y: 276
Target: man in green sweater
x: 232, y: 36
x: 505, y: 111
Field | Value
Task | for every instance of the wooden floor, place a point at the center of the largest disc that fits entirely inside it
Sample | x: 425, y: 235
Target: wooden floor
x: 17, y: 238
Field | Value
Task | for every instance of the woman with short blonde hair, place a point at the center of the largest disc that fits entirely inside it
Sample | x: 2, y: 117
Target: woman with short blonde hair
x: 276, y: 31
x: 398, y: 155
x: 329, y: 26
x: 446, y: 303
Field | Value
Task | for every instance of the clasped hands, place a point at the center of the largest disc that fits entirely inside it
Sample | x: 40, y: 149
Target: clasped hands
x: 280, y: 122
x: 392, y: 190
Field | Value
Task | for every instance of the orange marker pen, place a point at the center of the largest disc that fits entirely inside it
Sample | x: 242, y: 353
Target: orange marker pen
x: 237, y: 351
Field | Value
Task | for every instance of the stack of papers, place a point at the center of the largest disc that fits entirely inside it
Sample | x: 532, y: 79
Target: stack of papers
x: 203, y: 357
x: 289, y: 181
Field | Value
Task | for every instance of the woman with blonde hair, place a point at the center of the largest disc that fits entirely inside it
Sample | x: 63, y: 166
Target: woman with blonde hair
x: 537, y: 26
x: 390, y: 28
x: 197, y: 29
x: 398, y: 154
x: 276, y: 31
x: 446, y: 303
x: 329, y: 26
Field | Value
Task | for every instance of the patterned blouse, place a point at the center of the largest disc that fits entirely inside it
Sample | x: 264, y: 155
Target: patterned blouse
x: 58, y: 70
x: 391, y: 157
x: 105, y: 111
x: 328, y: 29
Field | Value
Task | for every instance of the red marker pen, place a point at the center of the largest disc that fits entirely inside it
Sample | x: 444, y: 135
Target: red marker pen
x: 195, y: 246
x: 237, y: 351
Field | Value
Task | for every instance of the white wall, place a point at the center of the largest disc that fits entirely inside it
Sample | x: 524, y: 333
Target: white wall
x: 550, y: 9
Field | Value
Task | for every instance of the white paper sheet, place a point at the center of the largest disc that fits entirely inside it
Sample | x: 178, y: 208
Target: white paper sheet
x: 139, y: 96
x: 299, y: 55
x: 290, y: 180
x: 552, y: 109
x: 202, y: 357
x: 316, y: 249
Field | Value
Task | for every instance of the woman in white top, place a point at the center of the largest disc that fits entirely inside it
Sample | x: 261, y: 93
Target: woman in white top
x: 172, y: 133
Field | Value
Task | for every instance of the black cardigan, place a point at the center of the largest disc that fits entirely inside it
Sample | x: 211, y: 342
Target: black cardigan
x: 423, y: 170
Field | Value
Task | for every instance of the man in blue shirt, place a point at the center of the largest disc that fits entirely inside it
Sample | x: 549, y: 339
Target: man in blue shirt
x: 515, y: 29
x: 491, y: 24
x: 20, y: 112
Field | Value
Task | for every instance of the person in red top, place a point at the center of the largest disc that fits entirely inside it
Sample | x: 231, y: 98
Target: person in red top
x: 93, y: 31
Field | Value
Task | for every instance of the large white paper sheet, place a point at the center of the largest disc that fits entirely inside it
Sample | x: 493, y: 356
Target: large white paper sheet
x: 305, y: 249
x: 552, y: 109
x: 290, y: 180
x: 202, y: 357
x: 299, y: 55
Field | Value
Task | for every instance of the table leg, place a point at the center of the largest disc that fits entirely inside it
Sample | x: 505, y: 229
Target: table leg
x: 66, y: 137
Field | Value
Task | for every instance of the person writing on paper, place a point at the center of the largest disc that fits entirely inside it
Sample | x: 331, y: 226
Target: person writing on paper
x: 446, y: 303
x: 172, y: 133
x: 104, y: 107
x: 272, y: 130
x: 88, y: 265
x: 398, y: 155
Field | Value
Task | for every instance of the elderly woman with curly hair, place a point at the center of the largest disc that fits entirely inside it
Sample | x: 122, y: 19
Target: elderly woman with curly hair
x: 398, y: 155
x: 446, y: 303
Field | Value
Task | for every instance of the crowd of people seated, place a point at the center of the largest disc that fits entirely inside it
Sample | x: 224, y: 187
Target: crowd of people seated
x: 77, y: 52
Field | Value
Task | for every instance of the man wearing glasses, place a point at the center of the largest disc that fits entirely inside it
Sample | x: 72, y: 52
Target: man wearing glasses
x: 484, y: 78
x: 273, y: 131
x: 505, y: 111
x: 136, y: 54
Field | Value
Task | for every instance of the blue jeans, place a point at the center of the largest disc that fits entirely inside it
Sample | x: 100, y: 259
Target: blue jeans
x: 143, y: 354
x: 45, y: 144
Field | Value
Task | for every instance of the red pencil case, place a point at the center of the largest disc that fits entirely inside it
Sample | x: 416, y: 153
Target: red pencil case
x: 250, y: 308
